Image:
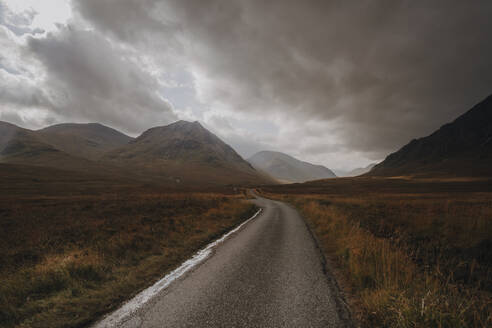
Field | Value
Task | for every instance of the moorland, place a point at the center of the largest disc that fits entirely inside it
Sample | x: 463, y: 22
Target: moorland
x: 408, y: 252
x: 74, y: 246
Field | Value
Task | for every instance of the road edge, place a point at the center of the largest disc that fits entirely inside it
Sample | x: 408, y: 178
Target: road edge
x: 342, y: 306
x: 129, y: 308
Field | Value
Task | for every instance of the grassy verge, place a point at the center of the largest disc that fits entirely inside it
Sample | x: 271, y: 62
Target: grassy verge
x: 410, y: 260
x: 64, y: 261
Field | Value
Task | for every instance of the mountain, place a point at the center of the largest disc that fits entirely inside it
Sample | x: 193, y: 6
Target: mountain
x: 288, y: 169
x: 355, y: 172
x: 182, y: 153
x: 23, y: 146
x: 460, y: 148
x: 186, y: 152
x: 16, y: 141
x: 7, y: 132
x: 89, y: 141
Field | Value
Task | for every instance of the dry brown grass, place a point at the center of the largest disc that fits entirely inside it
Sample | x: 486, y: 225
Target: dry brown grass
x: 65, y: 260
x: 421, y: 259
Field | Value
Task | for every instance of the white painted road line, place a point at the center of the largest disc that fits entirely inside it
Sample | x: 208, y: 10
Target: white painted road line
x: 125, y: 312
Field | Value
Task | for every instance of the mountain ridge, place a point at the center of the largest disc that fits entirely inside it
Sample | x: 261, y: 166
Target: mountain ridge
x: 88, y: 140
x: 181, y: 152
x: 461, y: 147
x: 286, y: 168
x: 183, y: 148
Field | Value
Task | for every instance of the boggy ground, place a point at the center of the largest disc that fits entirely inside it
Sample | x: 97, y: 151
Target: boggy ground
x: 413, y: 253
x: 71, y: 254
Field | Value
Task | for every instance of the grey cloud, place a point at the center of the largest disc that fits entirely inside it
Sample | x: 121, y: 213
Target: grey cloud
x: 386, y: 71
x: 90, y: 79
x: 139, y: 23
x: 19, y: 23
x: 335, y: 77
x: 321, y: 148
x: 18, y: 93
x: 11, y: 117
x: 122, y: 17
x: 17, y: 87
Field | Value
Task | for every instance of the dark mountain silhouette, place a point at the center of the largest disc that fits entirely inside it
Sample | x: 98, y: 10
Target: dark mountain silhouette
x: 288, y: 169
x: 460, y: 148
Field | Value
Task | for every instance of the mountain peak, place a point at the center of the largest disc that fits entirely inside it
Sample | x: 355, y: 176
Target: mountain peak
x: 72, y: 127
x: 184, y: 138
x: 180, y: 125
x: 188, y: 150
x: 90, y: 140
x: 184, y: 122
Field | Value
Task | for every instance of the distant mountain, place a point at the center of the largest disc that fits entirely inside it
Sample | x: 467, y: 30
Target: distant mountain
x: 7, y: 132
x: 355, y: 172
x: 182, y: 153
x: 288, y: 169
x: 187, y: 152
x: 16, y: 141
x: 460, y: 148
x: 23, y: 146
x: 90, y: 140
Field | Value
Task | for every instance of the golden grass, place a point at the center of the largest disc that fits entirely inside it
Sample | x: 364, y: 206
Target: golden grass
x: 65, y: 260
x: 410, y: 260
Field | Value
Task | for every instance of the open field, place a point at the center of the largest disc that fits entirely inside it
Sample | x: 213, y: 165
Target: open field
x: 412, y: 253
x: 70, y: 253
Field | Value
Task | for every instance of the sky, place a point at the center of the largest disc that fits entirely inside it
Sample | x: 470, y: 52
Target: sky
x: 339, y: 83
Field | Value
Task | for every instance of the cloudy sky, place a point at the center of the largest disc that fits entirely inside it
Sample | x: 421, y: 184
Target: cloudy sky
x: 340, y: 83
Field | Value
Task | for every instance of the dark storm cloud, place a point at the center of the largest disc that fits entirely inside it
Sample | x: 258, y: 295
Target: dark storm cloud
x: 384, y: 71
x: 113, y: 15
x: 90, y: 79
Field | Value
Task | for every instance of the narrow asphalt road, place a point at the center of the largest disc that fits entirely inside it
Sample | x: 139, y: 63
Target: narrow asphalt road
x: 268, y: 274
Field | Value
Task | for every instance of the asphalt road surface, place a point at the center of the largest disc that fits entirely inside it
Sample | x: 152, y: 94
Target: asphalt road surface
x: 267, y: 274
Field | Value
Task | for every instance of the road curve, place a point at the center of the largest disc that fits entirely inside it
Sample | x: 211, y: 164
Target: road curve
x: 267, y: 274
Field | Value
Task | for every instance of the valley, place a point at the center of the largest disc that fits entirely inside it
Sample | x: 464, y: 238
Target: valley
x: 287, y: 169
x: 91, y: 216
x: 73, y: 249
x: 245, y: 163
x: 408, y: 252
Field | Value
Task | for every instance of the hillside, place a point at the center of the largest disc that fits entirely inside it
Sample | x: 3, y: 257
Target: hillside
x: 7, y: 131
x: 23, y: 146
x: 288, y: 169
x: 90, y: 140
x: 355, y: 172
x: 182, y: 154
x: 460, y: 148
x: 187, y: 153
x: 18, y: 142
